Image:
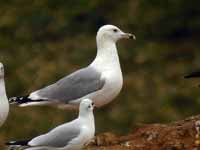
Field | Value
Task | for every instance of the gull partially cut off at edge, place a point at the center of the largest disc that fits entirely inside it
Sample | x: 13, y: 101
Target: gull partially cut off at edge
x: 4, y: 105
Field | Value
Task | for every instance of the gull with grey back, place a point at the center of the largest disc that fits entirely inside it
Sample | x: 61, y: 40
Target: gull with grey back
x: 69, y: 136
x: 101, y: 81
x: 4, y: 105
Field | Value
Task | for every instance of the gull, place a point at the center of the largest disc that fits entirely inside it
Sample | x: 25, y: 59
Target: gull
x: 101, y: 81
x: 69, y: 136
x: 4, y: 105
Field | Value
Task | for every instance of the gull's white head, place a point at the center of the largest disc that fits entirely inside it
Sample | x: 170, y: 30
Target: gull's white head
x: 86, y: 106
x: 1, y: 70
x: 112, y: 33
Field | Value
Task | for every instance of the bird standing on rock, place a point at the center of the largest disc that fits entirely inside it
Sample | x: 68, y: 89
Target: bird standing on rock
x: 69, y: 136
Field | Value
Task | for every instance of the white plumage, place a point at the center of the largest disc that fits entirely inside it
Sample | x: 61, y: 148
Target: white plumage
x: 69, y: 136
x: 101, y: 81
x: 4, y: 105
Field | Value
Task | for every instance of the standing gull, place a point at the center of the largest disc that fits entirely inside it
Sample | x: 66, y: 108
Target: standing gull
x: 101, y: 81
x: 4, y: 105
x: 69, y: 136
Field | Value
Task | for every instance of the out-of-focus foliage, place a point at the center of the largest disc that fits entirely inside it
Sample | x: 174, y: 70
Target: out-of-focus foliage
x: 43, y: 40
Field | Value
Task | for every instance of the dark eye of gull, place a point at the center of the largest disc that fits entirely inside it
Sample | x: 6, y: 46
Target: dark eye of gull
x: 115, y: 30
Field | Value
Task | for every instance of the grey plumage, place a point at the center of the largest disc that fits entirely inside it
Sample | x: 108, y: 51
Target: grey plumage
x: 101, y: 81
x: 74, y: 86
x: 71, y: 87
x: 58, y: 137
x: 71, y: 135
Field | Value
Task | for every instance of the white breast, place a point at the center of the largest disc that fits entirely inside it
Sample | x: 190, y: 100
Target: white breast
x: 4, y: 109
x: 111, y: 89
x: 107, y: 62
x: 86, y: 134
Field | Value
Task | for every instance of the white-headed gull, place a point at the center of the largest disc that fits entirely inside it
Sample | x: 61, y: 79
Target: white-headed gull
x: 68, y: 136
x: 101, y: 81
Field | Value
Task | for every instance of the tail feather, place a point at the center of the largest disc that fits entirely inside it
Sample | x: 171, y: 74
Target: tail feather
x: 193, y: 75
x: 22, y: 100
x: 19, y: 143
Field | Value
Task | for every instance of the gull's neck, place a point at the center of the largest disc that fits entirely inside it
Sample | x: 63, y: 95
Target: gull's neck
x: 107, y: 55
x: 86, y: 116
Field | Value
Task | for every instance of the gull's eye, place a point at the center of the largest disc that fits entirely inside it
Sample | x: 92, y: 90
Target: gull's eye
x: 89, y: 106
x: 115, y: 30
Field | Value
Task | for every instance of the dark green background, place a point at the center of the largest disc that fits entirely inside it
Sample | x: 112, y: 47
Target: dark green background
x: 43, y: 40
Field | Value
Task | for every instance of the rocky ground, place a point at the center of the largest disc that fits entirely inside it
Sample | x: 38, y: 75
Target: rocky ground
x: 181, y: 135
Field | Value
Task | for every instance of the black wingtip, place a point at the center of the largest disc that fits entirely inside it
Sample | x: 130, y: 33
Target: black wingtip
x: 20, y: 143
x: 22, y: 99
x: 10, y: 143
x: 187, y: 76
x: 193, y: 75
x: 19, y: 100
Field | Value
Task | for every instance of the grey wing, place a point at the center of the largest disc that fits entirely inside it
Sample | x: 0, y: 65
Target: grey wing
x: 73, y: 86
x: 58, y: 137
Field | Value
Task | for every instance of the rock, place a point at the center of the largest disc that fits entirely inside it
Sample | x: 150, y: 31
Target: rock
x: 180, y: 135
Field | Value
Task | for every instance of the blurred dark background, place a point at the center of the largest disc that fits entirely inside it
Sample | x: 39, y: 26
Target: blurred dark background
x: 43, y: 40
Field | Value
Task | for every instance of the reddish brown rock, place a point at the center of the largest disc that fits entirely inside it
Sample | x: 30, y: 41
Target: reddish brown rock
x: 181, y: 135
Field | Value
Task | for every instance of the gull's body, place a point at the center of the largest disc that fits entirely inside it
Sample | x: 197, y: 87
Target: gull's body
x: 4, y: 105
x: 101, y: 81
x: 69, y: 136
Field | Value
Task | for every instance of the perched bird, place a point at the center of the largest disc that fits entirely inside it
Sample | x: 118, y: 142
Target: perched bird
x: 101, y: 81
x: 69, y: 136
x: 4, y: 105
